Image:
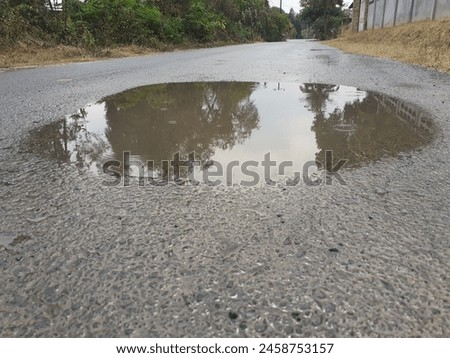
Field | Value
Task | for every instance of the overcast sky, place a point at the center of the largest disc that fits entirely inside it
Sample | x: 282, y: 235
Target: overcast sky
x: 287, y: 4
x: 295, y: 4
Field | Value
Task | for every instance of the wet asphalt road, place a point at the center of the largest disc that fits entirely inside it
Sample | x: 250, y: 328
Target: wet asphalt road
x: 82, y: 260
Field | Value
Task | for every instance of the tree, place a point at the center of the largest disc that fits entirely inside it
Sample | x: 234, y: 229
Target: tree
x: 155, y: 122
x: 201, y: 23
x: 278, y: 26
x: 295, y: 21
x: 325, y: 17
x: 93, y: 23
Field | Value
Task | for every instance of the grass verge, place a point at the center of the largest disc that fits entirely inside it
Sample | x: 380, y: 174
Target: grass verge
x: 23, y: 55
x: 30, y: 55
x: 424, y: 43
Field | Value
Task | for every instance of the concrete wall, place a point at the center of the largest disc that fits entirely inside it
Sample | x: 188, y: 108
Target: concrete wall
x: 379, y: 11
x: 385, y: 13
x: 370, y: 15
x: 443, y: 9
x: 403, y: 11
x: 389, y: 13
x: 423, y: 10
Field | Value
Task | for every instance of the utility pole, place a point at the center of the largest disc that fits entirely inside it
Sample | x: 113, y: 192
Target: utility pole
x: 281, y: 4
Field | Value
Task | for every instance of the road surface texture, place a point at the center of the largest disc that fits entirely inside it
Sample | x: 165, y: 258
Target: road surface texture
x: 79, y: 259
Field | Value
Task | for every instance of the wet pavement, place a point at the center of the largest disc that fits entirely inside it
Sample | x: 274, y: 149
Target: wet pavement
x: 370, y: 258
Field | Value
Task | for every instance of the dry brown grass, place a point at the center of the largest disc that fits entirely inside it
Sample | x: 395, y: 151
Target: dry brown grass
x: 23, y: 55
x: 425, y: 43
x: 31, y: 55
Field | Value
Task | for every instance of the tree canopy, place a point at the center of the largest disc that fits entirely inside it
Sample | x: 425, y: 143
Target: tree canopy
x: 141, y: 22
x: 323, y: 17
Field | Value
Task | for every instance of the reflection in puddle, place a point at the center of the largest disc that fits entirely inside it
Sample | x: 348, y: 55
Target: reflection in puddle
x: 232, y: 121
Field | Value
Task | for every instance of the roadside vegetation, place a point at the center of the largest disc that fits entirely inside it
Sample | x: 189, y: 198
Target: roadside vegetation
x: 424, y: 43
x: 322, y: 19
x: 38, y: 31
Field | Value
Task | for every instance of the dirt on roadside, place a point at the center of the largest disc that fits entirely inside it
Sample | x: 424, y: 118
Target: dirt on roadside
x: 425, y: 43
x: 30, y: 55
x: 23, y: 55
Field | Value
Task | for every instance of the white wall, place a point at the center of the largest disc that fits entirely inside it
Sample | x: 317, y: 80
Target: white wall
x: 407, y: 10
x: 442, y: 9
x: 423, y: 10
x: 379, y: 11
x: 389, y: 13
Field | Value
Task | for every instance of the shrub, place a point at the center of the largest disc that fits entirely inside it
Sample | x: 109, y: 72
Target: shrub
x: 278, y: 26
x: 172, y: 30
x: 121, y: 21
x: 201, y: 23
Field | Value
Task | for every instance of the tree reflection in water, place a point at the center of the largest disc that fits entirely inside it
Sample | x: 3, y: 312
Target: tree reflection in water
x: 366, y: 128
x: 154, y: 123
x: 219, y: 121
x: 158, y: 121
x: 69, y: 140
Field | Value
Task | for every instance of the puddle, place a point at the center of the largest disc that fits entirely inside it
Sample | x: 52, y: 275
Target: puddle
x: 232, y: 121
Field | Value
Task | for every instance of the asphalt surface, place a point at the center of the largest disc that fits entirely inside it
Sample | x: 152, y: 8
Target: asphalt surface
x: 78, y: 259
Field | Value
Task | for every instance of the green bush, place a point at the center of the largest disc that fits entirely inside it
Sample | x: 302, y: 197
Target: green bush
x: 327, y: 27
x: 121, y: 21
x: 278, y: 26
x: 149, y: 17
x: 11, y: 24
x: 239, y: 32
x: 28, y: 21
x: 95, y: 23
x: 201, y: 23
x: 172, y: 30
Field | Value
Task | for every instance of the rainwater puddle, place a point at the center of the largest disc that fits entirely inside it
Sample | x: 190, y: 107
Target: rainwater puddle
x: 237, y: 131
